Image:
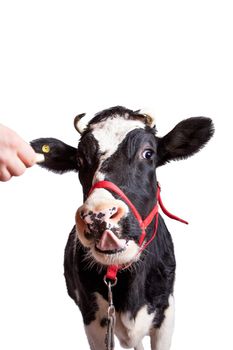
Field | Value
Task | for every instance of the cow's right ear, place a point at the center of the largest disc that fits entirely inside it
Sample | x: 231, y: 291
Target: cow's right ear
x: 58, y: 156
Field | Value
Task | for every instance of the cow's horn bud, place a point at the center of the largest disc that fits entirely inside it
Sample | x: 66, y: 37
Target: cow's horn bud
x: 79, y: 124
x: 149, y: 119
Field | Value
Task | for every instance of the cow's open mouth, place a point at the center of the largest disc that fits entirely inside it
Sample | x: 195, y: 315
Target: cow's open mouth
x: 116, y: 251
x: 112, y: 251
x: 109, y: 243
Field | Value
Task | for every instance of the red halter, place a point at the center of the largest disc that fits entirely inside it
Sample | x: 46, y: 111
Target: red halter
x: 113, y: 269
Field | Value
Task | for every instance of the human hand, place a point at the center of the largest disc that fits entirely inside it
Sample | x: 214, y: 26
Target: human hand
x: 15, y: 154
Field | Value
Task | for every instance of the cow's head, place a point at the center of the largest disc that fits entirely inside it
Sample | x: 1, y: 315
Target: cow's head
x: 121, y: 146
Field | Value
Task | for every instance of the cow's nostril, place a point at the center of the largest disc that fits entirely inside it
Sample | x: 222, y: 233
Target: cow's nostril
x: 116, y: 213
x: 113, y: 216
x: 100, y: 214
x: 82, y: 215
x: 86, y: 216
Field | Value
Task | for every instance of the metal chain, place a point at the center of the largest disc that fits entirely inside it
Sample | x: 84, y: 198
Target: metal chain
x: 109, y: 339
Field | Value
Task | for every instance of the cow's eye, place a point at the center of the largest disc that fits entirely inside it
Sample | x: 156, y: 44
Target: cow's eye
x: 147, y: 154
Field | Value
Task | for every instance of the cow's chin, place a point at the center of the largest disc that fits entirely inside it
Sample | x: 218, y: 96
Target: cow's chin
x: 126, y: 255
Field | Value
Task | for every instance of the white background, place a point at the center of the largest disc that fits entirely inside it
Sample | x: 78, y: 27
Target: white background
x: 61, y: 58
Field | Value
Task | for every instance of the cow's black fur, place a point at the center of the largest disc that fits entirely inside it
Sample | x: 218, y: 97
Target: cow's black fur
x: 149, y: 281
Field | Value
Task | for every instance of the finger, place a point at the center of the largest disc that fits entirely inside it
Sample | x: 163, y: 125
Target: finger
x: 15, y: 166
x: 27, y: 155
x: 4, y: 174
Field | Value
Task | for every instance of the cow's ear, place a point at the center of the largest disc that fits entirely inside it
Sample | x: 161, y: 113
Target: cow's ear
x: 58, y: 156
x: 187, y: 138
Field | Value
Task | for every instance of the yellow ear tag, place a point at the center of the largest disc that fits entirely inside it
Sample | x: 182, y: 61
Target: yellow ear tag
x: 46, y: 148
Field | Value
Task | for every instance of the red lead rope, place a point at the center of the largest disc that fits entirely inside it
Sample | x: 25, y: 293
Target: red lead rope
x: 113, y: 269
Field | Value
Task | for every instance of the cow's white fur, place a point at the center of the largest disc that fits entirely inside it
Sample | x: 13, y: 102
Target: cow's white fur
x: 130, y: 331
x: 109, y: 134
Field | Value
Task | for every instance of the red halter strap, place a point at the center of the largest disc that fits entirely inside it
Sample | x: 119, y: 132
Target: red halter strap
x: 112, y: 187
x: 113, y: 269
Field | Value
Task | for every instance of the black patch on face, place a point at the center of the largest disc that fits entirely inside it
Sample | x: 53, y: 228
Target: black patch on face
x: 88, y: 158
x: 134, y: 175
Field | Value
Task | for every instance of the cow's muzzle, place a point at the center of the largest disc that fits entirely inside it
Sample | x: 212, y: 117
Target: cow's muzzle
x: 98, y: 222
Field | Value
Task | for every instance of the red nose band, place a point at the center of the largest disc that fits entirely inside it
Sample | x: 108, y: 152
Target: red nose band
x: 112, y: 269
x: 142, y: 223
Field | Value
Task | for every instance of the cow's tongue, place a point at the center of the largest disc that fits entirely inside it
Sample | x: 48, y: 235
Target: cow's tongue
x: 109, y: 241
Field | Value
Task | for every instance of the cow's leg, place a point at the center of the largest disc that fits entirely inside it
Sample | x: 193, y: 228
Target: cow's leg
x: 96, y: 335
x: 161, y: 337
x: 139, y: 346
x: 96, y: 330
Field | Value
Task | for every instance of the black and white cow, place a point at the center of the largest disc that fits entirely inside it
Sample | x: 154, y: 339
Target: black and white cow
x: 121, y: 146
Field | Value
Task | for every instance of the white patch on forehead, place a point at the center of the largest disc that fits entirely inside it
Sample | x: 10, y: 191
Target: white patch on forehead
x: 111, y: 133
